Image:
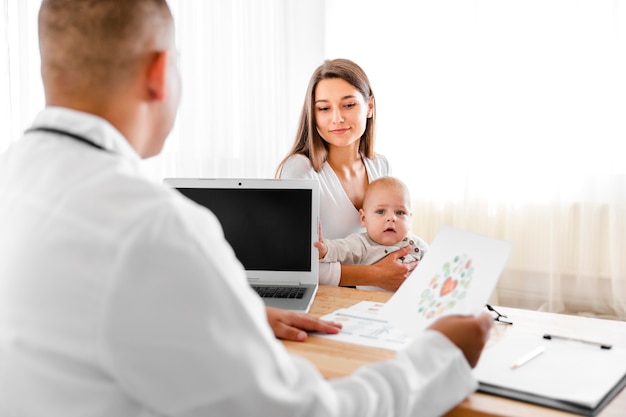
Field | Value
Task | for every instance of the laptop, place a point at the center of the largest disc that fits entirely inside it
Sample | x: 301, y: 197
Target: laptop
x: 271, y: 225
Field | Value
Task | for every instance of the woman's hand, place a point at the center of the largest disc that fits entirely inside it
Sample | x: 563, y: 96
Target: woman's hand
x: 391, y: 272
x: 290, y: 325
x: 388, y: 273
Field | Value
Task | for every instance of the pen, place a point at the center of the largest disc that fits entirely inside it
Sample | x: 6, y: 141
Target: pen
x: 530, y: 355
x: 589, y: 342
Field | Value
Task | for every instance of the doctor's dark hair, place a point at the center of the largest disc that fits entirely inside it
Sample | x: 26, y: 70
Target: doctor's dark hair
x: 308, y: 141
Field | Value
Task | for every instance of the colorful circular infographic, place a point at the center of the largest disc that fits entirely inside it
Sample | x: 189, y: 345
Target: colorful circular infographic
x: 446, y: 287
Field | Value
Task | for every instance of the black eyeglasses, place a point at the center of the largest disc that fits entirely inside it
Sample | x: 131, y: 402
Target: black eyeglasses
x: 499, y: 316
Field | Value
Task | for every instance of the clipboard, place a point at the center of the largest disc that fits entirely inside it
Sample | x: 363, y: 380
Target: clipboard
x: 569, y: 375
x: 567, y: 406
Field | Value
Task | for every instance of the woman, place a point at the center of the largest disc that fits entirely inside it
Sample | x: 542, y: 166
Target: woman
x: 335, y: 145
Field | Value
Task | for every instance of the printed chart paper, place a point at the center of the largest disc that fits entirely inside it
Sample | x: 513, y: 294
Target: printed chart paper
x: 456, y: 276
x: 363, y: 325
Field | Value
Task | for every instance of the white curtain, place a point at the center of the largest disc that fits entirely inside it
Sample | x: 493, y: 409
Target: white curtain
x: 21, y: 93
x: 244, y: 65
x: 504, y: 117
x: 507, y: 118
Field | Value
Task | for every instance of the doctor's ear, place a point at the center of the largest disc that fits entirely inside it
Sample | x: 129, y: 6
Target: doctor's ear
x: 156, y: 75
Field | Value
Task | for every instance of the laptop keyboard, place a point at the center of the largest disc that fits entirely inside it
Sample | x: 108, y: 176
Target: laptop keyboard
x: 279, y: 292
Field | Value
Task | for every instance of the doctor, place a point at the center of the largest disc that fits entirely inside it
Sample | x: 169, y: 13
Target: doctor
x: 119, y: 297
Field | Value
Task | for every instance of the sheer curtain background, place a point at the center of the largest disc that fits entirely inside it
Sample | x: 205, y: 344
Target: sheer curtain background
x: 21, y: 91
x: 504, y: 117
x: 245, y: 66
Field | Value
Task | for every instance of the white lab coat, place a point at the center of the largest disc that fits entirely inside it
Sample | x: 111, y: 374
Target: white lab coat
x: 119, y: 297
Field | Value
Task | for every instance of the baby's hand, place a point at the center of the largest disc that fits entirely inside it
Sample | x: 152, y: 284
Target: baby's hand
x: 320, y: 245
x: 321, y: 248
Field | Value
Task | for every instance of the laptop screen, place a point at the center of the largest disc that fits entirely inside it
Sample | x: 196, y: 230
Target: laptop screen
x: 269, y: 229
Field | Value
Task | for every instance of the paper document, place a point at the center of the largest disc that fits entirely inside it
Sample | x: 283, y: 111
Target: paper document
x: 456, y: 276
x: 363, y: 325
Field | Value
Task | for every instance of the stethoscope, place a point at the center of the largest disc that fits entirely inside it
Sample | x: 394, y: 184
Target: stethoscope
x: 68, y: 134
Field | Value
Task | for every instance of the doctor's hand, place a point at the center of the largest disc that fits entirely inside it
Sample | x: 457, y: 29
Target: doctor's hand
x: 468, y: 333
x: 391, y: 271
x: 290, y: 325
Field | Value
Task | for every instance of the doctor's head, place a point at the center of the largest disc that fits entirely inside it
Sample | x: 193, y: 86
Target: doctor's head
x: 115, y: 59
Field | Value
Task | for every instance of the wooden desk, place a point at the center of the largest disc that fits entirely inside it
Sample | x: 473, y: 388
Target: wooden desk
x: 336, y: 359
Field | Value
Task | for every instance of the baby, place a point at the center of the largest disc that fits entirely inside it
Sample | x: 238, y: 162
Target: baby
x: 387, y: 220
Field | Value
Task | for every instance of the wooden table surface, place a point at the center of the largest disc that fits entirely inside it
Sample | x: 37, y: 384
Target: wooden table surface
x: 335, y: 359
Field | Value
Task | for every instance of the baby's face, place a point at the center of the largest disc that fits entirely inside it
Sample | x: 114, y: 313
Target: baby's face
x: 386, y: 216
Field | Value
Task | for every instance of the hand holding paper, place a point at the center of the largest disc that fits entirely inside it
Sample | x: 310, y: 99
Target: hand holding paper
x: 468, y: 333
x: 456, y: 277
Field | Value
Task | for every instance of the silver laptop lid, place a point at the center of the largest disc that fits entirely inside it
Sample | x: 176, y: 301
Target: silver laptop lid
x: 270, y: 223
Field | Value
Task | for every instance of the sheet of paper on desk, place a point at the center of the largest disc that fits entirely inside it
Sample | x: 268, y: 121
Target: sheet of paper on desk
x: 456, y: 276
x: 363, y: 325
